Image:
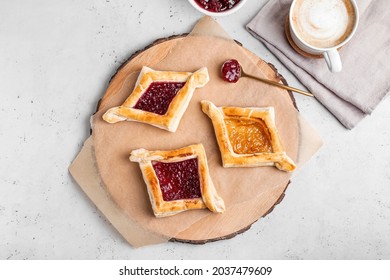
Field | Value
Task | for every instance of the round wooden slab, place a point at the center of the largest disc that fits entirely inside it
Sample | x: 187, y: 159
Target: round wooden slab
x: 208, y: 227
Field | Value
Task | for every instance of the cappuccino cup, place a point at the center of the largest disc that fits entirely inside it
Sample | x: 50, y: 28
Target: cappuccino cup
x: 321, y: 27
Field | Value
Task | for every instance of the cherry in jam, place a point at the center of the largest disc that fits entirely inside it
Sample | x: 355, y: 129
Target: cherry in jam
x: 217, y: 6
x: 158, y: 97
x: 231, y: 71
x: 178, y: 180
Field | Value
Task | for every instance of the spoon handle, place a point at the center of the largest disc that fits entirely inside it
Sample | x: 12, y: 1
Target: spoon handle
x: 278, y: 84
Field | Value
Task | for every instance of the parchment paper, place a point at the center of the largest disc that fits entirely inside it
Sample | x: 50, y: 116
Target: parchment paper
x: 85, y: 171
x: 248, y: 192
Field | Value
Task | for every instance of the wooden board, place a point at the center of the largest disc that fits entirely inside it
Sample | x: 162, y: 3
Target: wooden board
x: 196, y: 232
x: 157, y: 51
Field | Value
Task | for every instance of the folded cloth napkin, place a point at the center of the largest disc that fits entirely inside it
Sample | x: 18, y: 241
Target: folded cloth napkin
x: 364, y: 81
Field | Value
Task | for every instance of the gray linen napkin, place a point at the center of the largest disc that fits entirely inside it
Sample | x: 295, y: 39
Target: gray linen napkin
x: 354, y: 92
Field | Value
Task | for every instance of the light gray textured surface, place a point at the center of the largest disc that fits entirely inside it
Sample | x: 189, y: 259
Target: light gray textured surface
x: 56, y: 58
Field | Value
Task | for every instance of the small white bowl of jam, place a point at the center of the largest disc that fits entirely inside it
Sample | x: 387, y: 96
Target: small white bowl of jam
x: 217, y: 8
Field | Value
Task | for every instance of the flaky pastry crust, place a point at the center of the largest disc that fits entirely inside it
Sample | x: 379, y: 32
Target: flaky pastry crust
x: 169, y: 121
x: 230, y: 158
x: 209, y: 197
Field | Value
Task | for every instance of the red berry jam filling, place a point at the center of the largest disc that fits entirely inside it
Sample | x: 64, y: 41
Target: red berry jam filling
x: 217, y: 6
x: 178, y: 180
x: 231, y: 71
x: 158, y: 97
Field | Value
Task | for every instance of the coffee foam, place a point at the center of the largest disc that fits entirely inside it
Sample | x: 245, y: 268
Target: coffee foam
x: 323, y: 23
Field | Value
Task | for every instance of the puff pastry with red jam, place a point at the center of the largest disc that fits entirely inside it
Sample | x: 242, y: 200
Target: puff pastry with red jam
x: 159, y: 98
x: 247, y: 137
x: 178, y: 180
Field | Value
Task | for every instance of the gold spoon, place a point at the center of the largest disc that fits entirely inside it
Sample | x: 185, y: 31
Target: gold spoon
x: 232, y: 71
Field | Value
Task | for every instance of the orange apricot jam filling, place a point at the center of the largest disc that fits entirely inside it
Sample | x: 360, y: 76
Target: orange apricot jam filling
x: 248, y: 136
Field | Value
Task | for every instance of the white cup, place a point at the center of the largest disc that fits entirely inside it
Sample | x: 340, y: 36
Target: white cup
x: 330, y: 53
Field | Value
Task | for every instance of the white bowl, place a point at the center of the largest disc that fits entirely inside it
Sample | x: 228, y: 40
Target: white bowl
x: 218, y: 14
